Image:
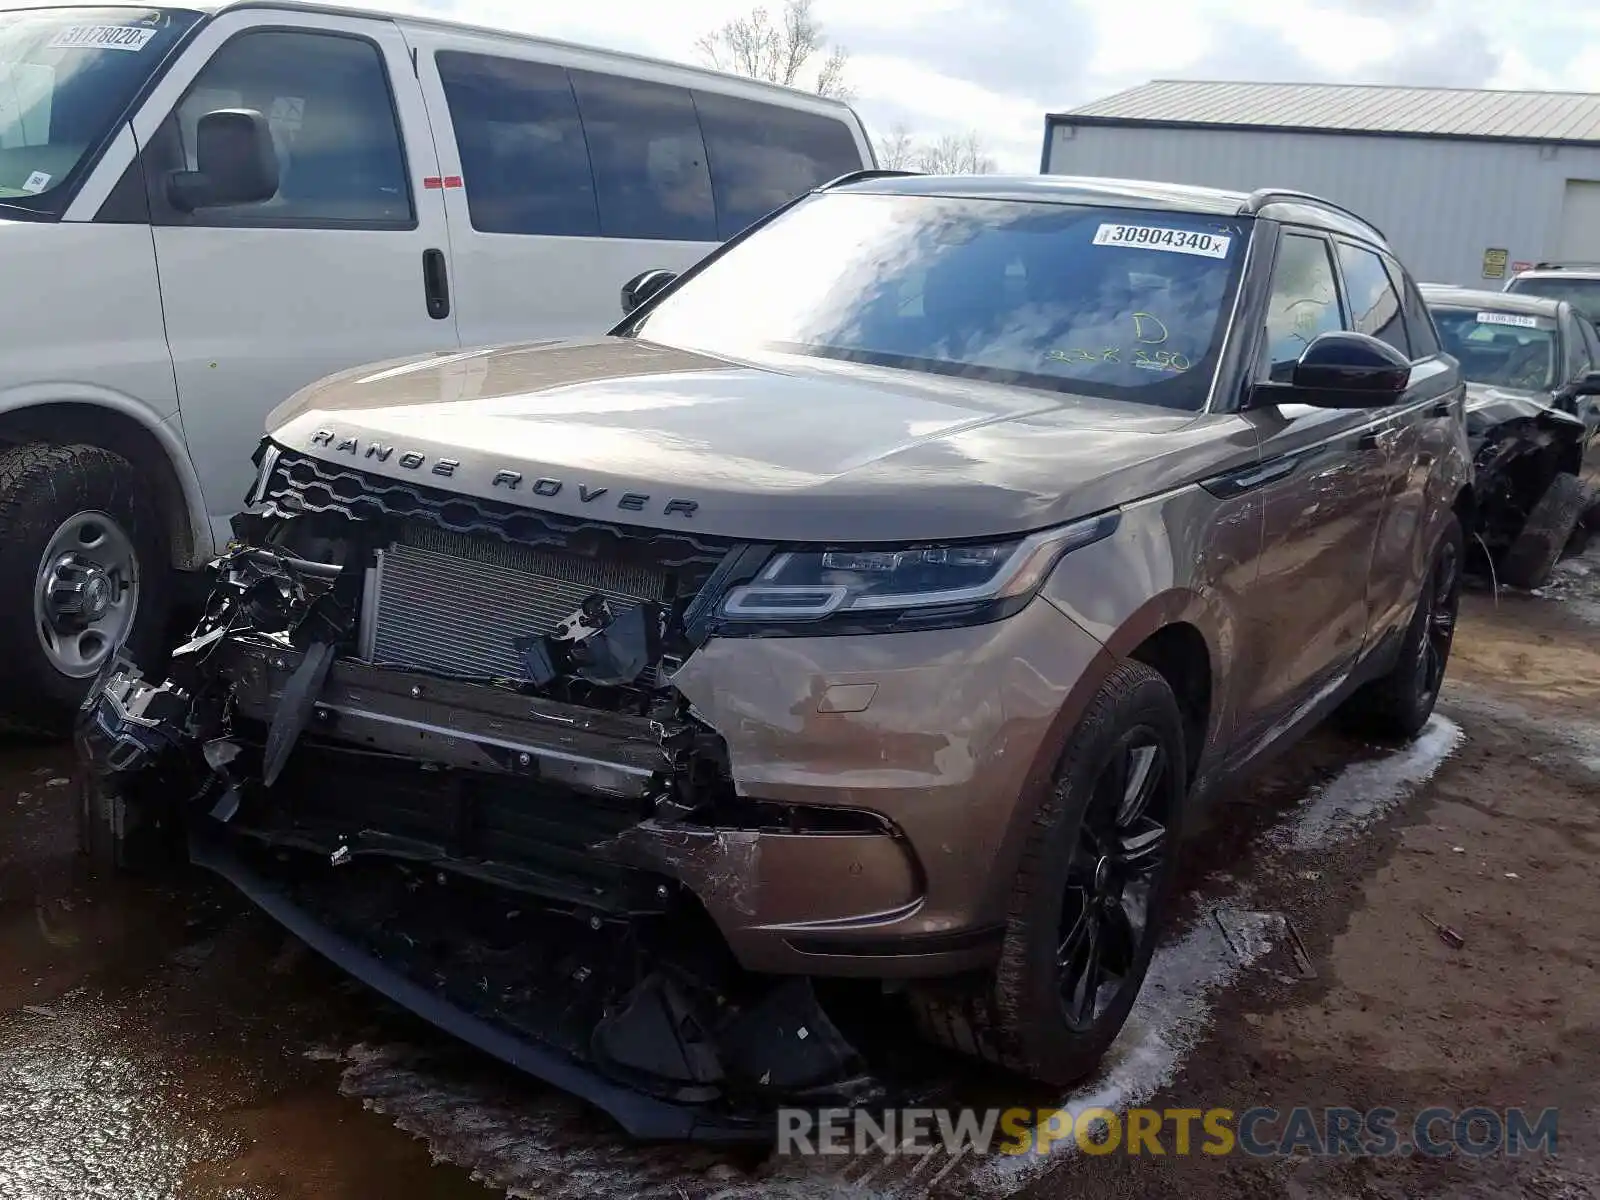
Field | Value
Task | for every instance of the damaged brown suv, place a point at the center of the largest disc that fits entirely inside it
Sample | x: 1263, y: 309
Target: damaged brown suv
x: 874, y: 604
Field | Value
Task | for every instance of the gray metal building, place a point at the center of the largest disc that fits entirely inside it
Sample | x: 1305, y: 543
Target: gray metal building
x: 1466, y: 184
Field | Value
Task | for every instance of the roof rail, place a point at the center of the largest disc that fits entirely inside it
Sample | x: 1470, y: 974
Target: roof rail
x: 1261, y: 197
x: 1566, y: 266
x: 865, y: 173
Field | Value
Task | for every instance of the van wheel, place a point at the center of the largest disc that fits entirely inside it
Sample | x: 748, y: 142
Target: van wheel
x: 82, y: 573
x: 1537, y: 549
x: 1090, y: 898
x: 1398, y: 705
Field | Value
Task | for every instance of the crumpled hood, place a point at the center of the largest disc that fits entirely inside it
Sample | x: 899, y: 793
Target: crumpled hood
x: 1489, y: 406
x: 784, y: 448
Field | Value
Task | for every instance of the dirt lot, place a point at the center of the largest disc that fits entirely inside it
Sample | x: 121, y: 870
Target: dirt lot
x: 172, y: 1044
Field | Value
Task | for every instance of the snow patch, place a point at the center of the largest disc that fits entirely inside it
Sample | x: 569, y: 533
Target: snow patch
x: 1365, y: 791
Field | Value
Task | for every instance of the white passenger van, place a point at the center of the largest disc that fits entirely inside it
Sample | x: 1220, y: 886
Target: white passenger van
x: 202, y: 211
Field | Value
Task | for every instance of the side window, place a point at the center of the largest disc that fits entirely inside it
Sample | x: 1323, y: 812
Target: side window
x: 1578, y: 361
x: 1591, y: 340
x: 1374, y: 305
x: 326, y: 97
x: 649, y: 161
x: 1304, y: 303
x: 1419, y: 321
x: 524, y: 159
x: 762, y: 156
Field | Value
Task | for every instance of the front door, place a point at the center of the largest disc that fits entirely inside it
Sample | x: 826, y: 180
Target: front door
x: 262, y: 299
x: 1306, y: 618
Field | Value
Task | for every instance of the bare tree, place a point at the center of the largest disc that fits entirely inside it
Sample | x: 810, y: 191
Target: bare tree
x: 778, y: 51
x: 955, y: 154
x: 898, y: 150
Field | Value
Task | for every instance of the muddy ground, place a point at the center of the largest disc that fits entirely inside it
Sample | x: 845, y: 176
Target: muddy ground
x: 170, y: 1043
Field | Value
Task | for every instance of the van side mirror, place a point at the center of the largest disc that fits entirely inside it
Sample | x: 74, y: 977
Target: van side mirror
x: 643, y: 286
x: 1350, y: 370
x: 1587, y: 384
x: 235, y: 162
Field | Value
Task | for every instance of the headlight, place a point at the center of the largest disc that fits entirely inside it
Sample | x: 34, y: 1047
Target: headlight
x: 811, y: 585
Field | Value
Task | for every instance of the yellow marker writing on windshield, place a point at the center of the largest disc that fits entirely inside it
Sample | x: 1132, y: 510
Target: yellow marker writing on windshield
x: 1145, y: 324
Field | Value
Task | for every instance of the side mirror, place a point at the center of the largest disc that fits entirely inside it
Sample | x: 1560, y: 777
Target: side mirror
x: 643, y: 286
x: 1585, y: 385
x: 1350, y: 370
x: 235, y: 160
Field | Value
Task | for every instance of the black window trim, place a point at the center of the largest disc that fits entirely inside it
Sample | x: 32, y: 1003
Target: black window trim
x: 1287, y: 230
x: 164, y: 216
x: 1344, y: 287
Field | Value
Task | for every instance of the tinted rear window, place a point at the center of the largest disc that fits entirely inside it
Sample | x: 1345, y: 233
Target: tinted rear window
x: 763, y: 156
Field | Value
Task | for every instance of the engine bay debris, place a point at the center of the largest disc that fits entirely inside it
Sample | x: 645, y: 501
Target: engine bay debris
x: 525, y: 862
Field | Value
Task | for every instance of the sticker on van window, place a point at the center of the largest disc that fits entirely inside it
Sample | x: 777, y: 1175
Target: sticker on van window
x: 102, y: 37
x: 36, y: 183
x: 1155, y: 237
x: 1520, y: 320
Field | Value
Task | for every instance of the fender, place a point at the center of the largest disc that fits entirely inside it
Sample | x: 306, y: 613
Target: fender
x: 165, y: 430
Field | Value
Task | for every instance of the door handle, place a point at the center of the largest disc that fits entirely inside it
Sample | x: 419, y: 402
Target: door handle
x: 1375, y: 439
x: 436, y: 284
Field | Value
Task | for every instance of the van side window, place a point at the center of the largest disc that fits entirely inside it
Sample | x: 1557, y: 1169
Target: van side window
x: 1304, y: 303
x: 524, y: 159
x: 1374, y: 305
x: 762, y: 156
x: 326, y: 97
x: 649, y: 161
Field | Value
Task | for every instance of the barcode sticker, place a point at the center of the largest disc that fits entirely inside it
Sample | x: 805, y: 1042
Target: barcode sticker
x: 1156, y: 237
x: 102, y: 37
x: 1520, y: 320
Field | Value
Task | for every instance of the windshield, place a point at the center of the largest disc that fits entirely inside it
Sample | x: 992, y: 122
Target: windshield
x: 1111, y: 302
x: 1503, y: 349
x: 1582, y: 294
x: 66, y: 74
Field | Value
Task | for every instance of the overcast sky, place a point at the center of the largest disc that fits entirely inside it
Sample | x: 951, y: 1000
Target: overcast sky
x: 998, y: 65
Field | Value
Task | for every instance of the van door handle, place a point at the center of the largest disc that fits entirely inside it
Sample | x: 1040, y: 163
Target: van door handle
x: 436, y: 284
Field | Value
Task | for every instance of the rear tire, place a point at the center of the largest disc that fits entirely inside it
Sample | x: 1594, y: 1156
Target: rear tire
x: 1545, y: 534
x: 83, y: 570
x: 1093, y: 888
x: 1397, y: 706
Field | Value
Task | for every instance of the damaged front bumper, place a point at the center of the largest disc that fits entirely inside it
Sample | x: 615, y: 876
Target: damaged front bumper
x: 628, y: 901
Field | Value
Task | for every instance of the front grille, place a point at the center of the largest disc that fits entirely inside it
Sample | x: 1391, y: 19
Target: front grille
x: 450, y: 603
x: 299, y: 485
x: 461, y: 577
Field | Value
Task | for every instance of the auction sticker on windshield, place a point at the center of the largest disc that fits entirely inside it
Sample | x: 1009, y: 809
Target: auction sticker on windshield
x: 1155, y: 237
x: 1520, y: 320
x: 102, y: 37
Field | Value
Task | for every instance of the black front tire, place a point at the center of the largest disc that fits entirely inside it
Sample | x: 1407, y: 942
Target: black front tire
x: 1028, y: 1015
x: 1545, y: 534
x: 43, y: 487
x: 1396, y: 706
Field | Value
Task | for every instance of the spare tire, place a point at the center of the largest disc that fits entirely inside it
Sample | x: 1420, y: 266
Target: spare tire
x: 1537, y: 549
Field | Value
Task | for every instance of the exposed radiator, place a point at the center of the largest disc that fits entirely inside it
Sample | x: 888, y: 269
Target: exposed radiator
x: 453, y: 603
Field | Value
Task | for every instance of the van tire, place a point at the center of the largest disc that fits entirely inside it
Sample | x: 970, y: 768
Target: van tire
x: 1545, y: 534
x: 94, y: 505
x: 1015, y: 1015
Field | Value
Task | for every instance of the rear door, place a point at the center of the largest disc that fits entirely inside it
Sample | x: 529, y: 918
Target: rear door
x: 262, y: 299
x: 1419, y: 432
x: 1331, y: 472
